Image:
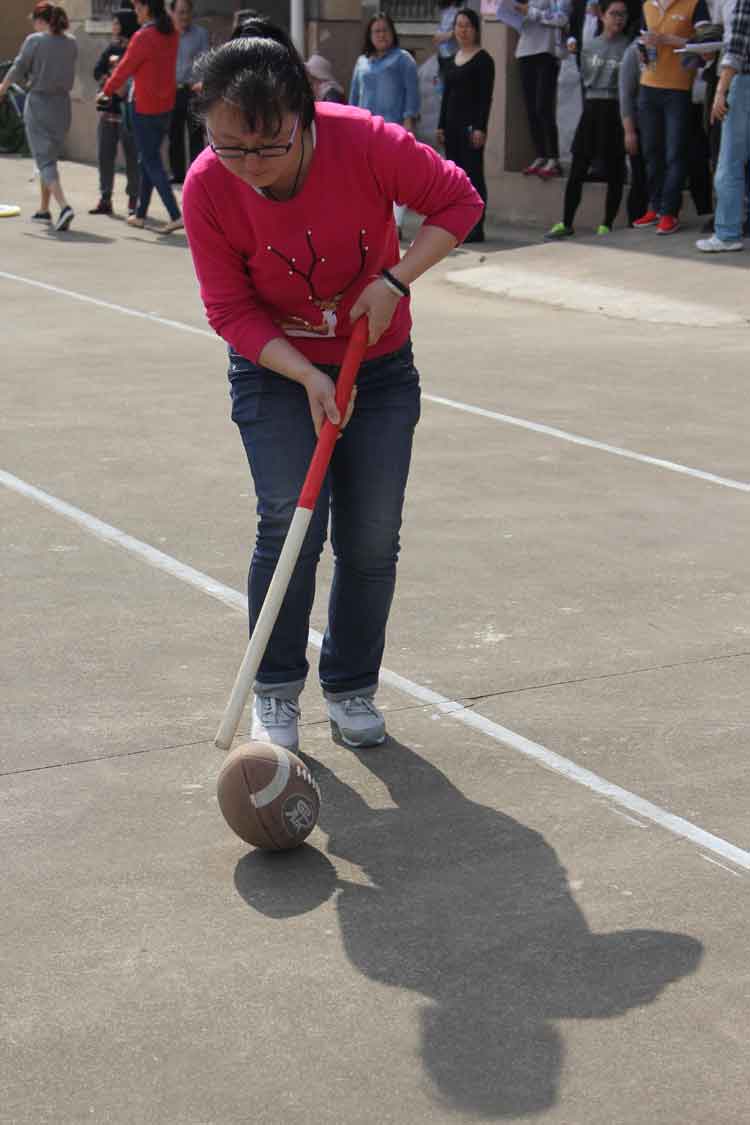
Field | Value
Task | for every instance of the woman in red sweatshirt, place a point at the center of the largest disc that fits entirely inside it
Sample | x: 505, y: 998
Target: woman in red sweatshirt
x: 151, y: 61
x: 289, y: 215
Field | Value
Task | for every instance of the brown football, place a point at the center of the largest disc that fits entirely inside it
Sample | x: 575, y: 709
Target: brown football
x: 268, y: 796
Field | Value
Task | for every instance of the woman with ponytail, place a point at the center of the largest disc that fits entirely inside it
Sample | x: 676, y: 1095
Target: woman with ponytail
x: 151, y: 61
x: 289, y: 216
x: 46, y: 66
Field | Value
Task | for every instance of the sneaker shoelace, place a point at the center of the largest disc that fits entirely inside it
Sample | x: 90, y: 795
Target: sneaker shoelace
x: 360, y: 705
x: 277, y: 712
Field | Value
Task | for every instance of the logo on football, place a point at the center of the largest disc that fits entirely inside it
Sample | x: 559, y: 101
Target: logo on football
x: 299, y: 815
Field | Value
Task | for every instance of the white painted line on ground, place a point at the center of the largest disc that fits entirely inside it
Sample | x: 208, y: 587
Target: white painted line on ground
x: 630, y: 819
x: 541, y: 286
x: 124, y: 309
x: 723, y: 866
x: 453, y: 709
x: 618, y: 451
x: 508, y: 419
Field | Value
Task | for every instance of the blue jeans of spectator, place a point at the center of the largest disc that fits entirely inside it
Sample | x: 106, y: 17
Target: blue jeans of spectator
x: 364, y: 494
x: 730, y: 181
x: 149, y: 130
x: 664, y: 123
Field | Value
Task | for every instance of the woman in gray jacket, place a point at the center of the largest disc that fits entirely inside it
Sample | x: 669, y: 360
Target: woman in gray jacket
x: 46, y: 67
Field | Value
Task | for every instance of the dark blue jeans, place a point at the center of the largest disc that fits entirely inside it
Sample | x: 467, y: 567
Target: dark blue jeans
x: 149, y: 130
x: 364, y: 493
x: 664, y: 124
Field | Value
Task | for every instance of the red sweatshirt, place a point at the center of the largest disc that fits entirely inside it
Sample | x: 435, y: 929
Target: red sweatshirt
x: 270, y: 269
x: 151, y: 61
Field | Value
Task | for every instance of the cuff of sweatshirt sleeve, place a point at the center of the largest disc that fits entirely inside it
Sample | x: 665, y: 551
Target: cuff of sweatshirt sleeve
x: 457, y: 225
x: 251, y: 344
x: 733, y: 61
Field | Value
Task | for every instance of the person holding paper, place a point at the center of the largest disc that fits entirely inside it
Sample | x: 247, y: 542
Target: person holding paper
x: 664, y: 106
x: 538, y: 52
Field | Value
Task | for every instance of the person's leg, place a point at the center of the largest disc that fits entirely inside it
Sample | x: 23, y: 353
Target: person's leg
x: 615, y: 186
x: 549, y: 73
x: 475, y: 172
x: 55, y: 189
x: 145, y: 186
x: 574, y: 189
x: 528, y: 70
x: 44, y: 197
x: 177, y: 123
x: 108, y: 133
x: 459, y: 149
x: 130, y: 162
x: 733, y: 155
x: 273, y: 416
x: 676, y: 141
x: 651, y: 126
x: 369, y: 471
x: 638, y: 193
x: 150, y: 130
x: 699, y: 163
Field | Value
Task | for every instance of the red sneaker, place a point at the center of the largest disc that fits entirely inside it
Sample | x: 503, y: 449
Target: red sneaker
x: 550, y: 171
x: 668, y: 224
x: 650, y: 219
x: 534, y: 168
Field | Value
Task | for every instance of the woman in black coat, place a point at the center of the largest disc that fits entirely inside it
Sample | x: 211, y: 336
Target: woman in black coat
x: 468, y: 82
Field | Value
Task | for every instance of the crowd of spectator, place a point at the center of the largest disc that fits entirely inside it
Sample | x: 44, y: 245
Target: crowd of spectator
x: 665, y: 102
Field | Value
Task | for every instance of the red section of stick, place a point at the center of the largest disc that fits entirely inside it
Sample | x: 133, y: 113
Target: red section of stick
x: 355, y: 352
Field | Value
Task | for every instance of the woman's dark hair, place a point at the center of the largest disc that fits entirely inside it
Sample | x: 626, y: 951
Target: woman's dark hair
x: 473, y: 19
x: 160, y: 16
x: 54, y: 15
x: 604, y: 4
x: 261, y: 74
x: 367, y: 47
x: 127, y: 20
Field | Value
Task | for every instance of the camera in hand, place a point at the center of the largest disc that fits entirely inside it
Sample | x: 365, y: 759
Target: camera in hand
x: 104, y: 105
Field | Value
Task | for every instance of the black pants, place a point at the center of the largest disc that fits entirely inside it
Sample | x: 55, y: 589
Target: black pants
x: 638, y: 195
x: 539, y: 83
x: 599, y: 138
x: 111, y: 132
x: 181, y: 121
x: 459, y: 149
x: 700, y: 181
x: 574, y: 189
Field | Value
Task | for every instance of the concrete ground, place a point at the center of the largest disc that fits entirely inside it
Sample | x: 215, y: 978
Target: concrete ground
x: 532, y: 903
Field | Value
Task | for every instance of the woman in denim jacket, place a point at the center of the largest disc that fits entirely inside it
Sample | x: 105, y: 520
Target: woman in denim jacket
x: 385, y: 81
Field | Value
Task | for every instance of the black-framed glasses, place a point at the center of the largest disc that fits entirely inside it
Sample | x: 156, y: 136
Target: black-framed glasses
x: 266, y: 152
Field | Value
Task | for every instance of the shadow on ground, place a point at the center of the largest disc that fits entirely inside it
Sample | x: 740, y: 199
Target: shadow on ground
x: 473, y: 911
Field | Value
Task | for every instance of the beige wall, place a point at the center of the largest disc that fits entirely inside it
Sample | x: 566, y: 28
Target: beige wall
x: 337, y: 34
x: 14, y: 26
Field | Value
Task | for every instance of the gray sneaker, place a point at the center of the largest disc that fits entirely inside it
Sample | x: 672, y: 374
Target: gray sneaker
x: 275, y: 720
x: 357, y: 722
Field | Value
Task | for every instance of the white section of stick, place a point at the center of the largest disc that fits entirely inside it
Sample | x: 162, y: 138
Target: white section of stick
x: 425, y: 695
x: 263, y: 627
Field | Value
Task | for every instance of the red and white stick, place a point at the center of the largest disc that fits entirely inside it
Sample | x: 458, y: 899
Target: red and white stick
x: 295, y: 536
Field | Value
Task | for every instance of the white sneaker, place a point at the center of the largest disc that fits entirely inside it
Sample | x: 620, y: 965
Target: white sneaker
x: 275, y: 720
x: 356, y: 721
x: 715, y: 245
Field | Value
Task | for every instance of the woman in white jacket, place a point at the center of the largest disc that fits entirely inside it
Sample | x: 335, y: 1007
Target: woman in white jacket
x: 539, y: 52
